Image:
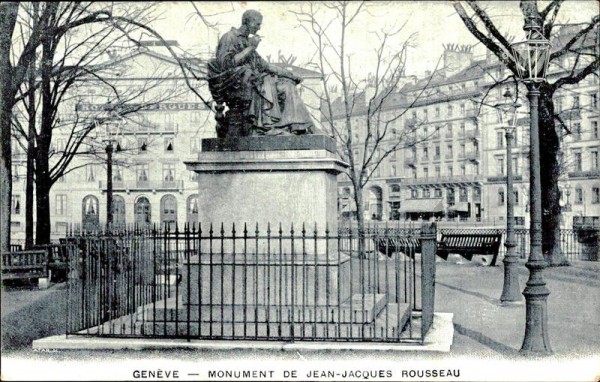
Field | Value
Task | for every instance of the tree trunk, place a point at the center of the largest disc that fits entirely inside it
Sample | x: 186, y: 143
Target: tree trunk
x: 8, y: 19
x: 360, y: 218
x: 550, y: 171
x: 29, y: 186
x: 42, y: 196
x: 29, y: 200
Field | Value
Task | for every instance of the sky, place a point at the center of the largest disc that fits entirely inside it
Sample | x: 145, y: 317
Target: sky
x: 430, y: 23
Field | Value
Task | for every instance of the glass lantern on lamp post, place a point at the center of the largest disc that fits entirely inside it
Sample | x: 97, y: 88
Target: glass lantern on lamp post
x: 507, y: 116
x: 531, y: 60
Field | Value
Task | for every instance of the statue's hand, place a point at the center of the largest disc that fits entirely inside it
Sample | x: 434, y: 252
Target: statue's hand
x: 254, y: 41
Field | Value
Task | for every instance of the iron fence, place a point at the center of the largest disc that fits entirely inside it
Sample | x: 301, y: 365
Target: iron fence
x: 211, y: 283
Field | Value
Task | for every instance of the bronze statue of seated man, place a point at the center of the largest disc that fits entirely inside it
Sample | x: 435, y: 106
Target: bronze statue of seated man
x: 261, y: 98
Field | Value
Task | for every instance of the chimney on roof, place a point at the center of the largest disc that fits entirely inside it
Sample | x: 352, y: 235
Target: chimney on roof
x: 457, y: 58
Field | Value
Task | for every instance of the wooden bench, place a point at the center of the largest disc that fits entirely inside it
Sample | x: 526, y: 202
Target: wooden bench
x: 469, y: 244
x: 58, y: 260
x: 466, y: 245
x: 23, y: 265
x: 390, y: 245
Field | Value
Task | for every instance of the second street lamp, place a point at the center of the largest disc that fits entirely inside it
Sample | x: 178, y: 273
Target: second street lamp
x: 511, y: 292
x: 531, y: 60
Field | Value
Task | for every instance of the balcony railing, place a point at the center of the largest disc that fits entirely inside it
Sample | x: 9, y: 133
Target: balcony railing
x: 585, y: 174
x: 175, y: 185
x: 473, y: 155
x: 473, y: 134
x: 445, y: 179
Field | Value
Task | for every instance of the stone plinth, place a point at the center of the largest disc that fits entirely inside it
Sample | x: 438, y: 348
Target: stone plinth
x: 269, y: 280
x: 260, y: 181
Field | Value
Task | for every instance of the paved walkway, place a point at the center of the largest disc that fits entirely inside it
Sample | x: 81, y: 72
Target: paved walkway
x: 484, y: 327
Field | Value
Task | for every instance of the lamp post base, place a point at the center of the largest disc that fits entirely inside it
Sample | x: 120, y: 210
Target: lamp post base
x: 536, y: 341
x: 511, y: 292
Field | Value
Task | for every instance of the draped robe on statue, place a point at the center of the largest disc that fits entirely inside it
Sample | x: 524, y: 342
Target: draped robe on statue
x: 260, y: 102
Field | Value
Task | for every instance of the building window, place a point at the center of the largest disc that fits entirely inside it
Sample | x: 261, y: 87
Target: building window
x: 499, y: 139
x: 463, y: 170
x: 449, y: 153
x: 89, y: 213
x: 595, y: 195
x: 169, y: 144
x: 425, y: 172
x: 414, y: 194
x: 577, y: 131
x: 61, y: 204
x: 462, y: 150
x: 594, y: 100
x: 516, y: 197
x: 462, y: 108
x: 90, y: 173
x: 477, y: 194
x: 426, y: 193
x: 142, y: 144
x: 393, y: 170
x: 425, y: 153
x: 595, y: 160
x: 500, y: 197
x: 438, y: 192
x: 449, y: 131
x: 500, y: 165
x: 577, y: 161
x: 169, y: 172
x: 578, y: 195
x: 438, y: 172
x: 117, y: 174
x: 575, y: 102
x: 450, y: 171
x: 595, y: 132
x: 142, y: 173
x: 558, y: 104
x: 437, y: 111
x: 414, y: 173
x: 463, y: 194
x: 450, y: 196
x: 515, y: 165
x: 168, y: 211
x: 192, y: 209
x: 15, y: 206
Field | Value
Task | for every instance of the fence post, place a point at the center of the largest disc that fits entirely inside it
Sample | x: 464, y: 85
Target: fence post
x: 428, y: 253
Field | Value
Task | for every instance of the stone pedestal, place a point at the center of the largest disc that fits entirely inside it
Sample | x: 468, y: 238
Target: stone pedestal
x: 271, y: 203
x: 287, y: 180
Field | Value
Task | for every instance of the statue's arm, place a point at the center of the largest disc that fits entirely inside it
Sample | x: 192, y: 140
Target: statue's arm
x: 281, y: 72
x: 227, y: 54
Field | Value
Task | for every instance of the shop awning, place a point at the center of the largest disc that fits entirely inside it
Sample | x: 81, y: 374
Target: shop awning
x: 421, y: 205
x: 460, y: 207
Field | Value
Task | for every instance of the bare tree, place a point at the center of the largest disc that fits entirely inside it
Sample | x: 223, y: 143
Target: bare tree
x: 581, y: 44
x: 377, y: 98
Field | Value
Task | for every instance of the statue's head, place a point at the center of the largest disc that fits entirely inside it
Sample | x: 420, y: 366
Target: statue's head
x: 252, y: 19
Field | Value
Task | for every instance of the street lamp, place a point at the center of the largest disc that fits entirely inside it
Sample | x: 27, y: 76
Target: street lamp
x: 111, y: 130
x: 511, y: 292
x: 531, y: 60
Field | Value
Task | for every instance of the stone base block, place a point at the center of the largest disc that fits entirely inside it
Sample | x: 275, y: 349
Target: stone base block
x: 359, y: 309
x: 266, y: 279
x: 388, y: 324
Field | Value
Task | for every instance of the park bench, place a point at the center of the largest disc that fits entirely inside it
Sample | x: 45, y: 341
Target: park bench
x: 466, y: 245
x: 58, y: 260
x: 469, y: 244
x: 23, y: 265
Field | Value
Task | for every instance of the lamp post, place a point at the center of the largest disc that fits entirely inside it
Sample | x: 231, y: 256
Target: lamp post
x: 111, y: 131
x: 531, y: 60
x: 511, y: 292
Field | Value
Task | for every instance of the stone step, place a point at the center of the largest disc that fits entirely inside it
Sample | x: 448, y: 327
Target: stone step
x: 361, y: 308
x: 388, y: 325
